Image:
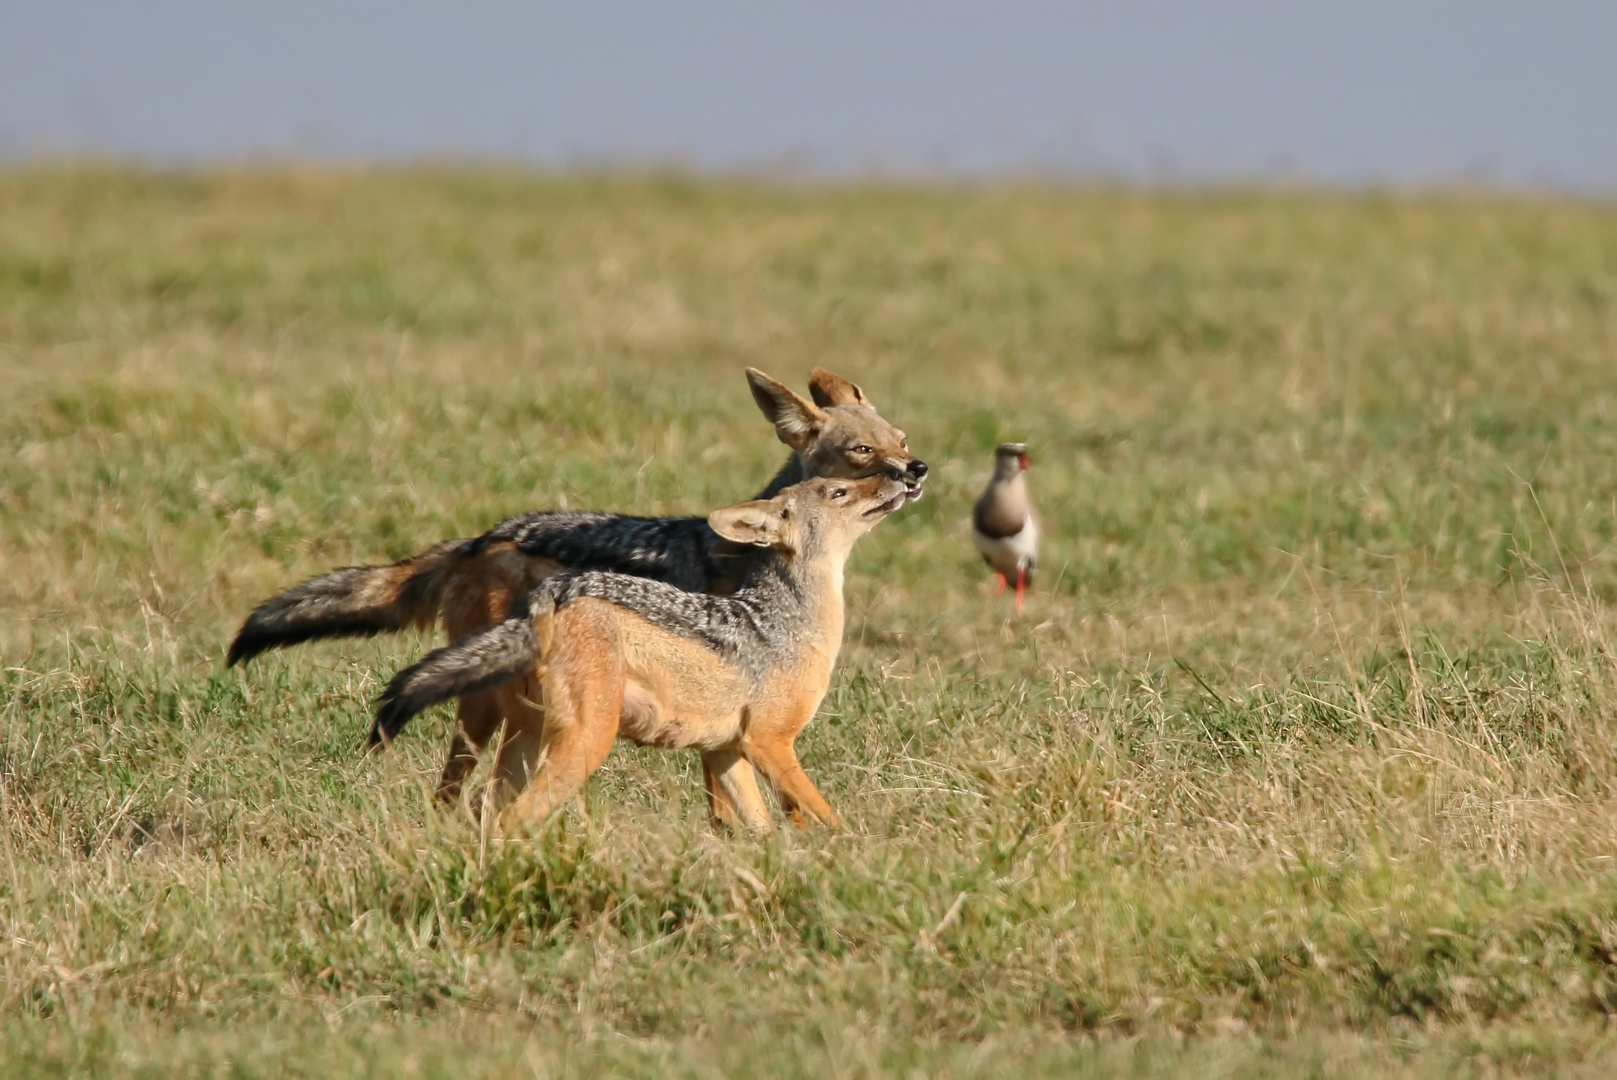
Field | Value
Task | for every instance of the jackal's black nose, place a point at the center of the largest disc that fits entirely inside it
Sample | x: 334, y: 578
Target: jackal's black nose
x: 917, y: 469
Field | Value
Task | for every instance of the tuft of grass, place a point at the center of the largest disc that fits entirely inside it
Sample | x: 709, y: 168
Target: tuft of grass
x: 1304, y: 761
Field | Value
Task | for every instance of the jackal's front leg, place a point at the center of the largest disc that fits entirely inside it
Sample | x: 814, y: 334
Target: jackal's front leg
x: 732, y: 790
x: 799, y: 798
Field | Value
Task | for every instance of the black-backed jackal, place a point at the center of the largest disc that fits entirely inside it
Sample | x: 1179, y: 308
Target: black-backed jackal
x: 469, y: 585
x: 614, y: 656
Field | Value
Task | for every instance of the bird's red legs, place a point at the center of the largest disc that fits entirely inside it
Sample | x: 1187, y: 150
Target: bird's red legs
x: 1000, y: 588
x: 1021, y: 587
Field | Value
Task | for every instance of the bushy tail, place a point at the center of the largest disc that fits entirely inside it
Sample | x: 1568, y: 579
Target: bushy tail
x: 476, y: 662
x: 355, y: 601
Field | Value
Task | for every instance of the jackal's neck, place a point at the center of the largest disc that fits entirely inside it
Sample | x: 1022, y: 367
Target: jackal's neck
x: 805, y: 592
x: 793, y: 472
x: 825, y: 589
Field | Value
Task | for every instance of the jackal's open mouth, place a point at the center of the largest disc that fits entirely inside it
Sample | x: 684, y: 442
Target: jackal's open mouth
x: 891, y: 504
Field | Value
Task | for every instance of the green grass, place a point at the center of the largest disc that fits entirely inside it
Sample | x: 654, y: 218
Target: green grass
x: 1303, y: 762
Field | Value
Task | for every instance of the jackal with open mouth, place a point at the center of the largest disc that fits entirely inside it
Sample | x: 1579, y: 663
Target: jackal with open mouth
x: 615, y: 656
x: 470, y: 585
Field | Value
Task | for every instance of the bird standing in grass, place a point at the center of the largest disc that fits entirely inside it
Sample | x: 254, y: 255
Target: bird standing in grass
x: 1004, y: 526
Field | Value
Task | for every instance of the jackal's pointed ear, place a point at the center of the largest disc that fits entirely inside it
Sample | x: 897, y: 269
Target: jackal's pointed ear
x: 796, y: 421
x: 761, y: 522
x: 828, y: 388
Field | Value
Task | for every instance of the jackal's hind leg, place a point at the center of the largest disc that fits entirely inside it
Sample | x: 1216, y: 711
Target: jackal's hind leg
x: 732, y: 791
x: 566, y: 760
x: 577, y: 729
x: 477, y: 718
x: 518, y: 758
x: 478, y: 595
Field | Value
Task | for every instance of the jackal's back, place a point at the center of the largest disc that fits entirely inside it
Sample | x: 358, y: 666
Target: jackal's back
x: 754, y: 629
x: 674, y: 550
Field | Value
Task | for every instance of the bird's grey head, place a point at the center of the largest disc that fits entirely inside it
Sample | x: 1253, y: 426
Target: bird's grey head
x: 1009, y: 459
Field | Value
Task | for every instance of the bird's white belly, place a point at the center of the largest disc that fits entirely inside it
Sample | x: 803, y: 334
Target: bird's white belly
x: 1008, y: 554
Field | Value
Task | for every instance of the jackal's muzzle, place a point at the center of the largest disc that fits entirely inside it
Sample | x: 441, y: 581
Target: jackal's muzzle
x: 912, y: 474
x: 893, y: 493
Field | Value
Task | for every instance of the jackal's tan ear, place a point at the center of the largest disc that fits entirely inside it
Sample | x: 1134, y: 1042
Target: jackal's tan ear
x: 796, y: 421
x: 761, y: 522
x: 828, y: 388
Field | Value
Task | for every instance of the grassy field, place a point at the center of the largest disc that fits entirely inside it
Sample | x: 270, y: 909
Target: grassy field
x: 1302, y: 762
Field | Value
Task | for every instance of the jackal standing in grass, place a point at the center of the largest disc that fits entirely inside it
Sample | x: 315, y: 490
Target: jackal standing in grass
x: 614, y: 656
x: 470, y: 585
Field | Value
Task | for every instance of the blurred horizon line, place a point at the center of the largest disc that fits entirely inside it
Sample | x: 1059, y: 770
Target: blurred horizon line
x: 798, y: 171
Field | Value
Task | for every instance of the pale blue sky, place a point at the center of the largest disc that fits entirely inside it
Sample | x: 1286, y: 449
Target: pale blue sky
x: 1352, y: 92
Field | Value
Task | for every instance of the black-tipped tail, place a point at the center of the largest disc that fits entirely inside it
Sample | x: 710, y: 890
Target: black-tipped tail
x: 475, y: 662
x: 354, y: 601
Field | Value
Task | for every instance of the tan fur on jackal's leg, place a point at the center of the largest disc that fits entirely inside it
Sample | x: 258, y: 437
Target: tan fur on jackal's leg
x: 800, y: 800
x: 582, y: 709
x: 721, y: 812
x: 732, y: 790
x: 518, y: 758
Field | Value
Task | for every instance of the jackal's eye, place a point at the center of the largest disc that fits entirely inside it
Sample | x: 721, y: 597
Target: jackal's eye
x: 839, y: 493
x: 863, y: 450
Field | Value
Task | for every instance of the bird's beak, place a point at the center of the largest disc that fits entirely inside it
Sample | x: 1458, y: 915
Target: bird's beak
x: 1024, y: 461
